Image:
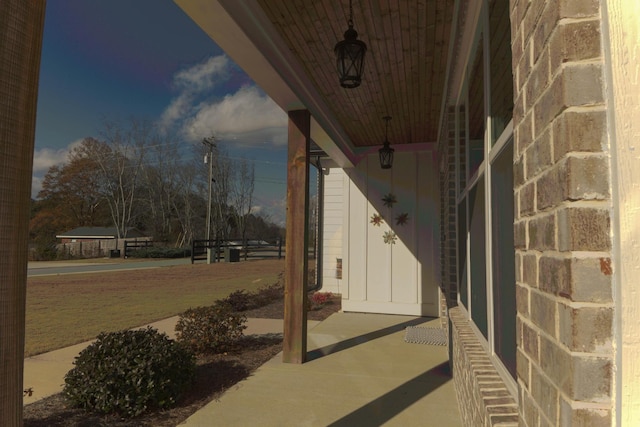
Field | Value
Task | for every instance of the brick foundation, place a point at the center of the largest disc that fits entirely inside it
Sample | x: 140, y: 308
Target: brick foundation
x: 483, y: 396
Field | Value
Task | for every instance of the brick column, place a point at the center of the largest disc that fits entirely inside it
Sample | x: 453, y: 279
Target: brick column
x: 562, y: 224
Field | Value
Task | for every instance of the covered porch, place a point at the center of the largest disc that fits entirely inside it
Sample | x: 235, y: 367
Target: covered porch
x: 391, y: 230
x: 525, y: 111
x: 360, y: 372
x: 442, y: 71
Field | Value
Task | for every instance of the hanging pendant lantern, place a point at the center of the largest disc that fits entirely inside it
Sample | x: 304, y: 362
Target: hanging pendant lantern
x: 350, y: 56
x: 386, y: 152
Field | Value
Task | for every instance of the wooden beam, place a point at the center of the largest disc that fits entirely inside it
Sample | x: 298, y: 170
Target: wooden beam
x: 296, y: 260
x: 21, y: 30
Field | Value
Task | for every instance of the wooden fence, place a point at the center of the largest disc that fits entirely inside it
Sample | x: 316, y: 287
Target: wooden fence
x: 135, y: 245
x: 234, y: 250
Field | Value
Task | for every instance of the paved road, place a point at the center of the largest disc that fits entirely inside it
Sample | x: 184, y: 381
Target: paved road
x: 44, y: 268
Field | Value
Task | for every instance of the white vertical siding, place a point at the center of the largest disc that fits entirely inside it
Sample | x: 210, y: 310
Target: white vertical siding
x: 378, y: 269
x: 404, y: 264
x: 379, y: 277
x: 332, y: 231
x: 355, y: 239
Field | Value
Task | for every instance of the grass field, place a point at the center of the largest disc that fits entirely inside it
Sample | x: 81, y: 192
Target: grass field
x: 63, y: 310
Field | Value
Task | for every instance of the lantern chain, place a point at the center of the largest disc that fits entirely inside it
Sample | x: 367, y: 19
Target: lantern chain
x: 350, y: 14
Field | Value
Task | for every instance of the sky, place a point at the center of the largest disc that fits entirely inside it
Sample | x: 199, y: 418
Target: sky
x: 145, y: 59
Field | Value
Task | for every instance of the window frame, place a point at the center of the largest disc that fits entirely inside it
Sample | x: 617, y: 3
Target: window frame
x: 492, y: 149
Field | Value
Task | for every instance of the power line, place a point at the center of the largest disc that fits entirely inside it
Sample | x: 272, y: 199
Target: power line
x: 183, y: 144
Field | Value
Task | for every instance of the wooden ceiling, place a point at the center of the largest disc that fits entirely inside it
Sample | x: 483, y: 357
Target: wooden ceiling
x: 405, y: 64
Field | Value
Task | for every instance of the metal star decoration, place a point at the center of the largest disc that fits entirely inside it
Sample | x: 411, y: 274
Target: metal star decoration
x: 390, y: 237
x: 389, y: 200
x: 376, y: 219
x: 402, y: 219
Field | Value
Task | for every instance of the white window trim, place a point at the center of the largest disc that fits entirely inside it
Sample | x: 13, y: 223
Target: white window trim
x: 483, y: 172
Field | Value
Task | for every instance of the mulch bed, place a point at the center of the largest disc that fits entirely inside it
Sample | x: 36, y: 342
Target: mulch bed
x: 215, y: 374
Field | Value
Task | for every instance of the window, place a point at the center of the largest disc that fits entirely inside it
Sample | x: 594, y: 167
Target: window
x: 462, y: 253
x: 486, y: 253
x: 500, y: 65
x: 476, y: 112
x: 502, y: 258
x: 477, y: 257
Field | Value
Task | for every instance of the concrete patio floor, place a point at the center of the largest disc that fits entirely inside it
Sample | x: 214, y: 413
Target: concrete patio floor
x: 360, y: 373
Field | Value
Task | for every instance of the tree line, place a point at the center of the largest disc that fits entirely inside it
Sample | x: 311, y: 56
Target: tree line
x: 134, y: 176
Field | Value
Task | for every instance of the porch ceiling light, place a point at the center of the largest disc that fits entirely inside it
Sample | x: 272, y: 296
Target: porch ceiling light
x: 350, y: 56
x: 386, y: 152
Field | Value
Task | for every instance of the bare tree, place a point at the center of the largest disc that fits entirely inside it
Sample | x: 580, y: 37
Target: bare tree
x: 220, y: 195
x: 188, y: 205
x: 162, y: 184
x: 121, y: 163
x: 242, y: 187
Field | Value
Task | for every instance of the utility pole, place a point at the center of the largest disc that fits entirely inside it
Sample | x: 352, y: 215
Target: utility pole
x: 209, y: 141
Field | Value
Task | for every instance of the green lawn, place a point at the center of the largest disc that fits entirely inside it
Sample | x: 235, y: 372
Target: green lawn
x: 69, y: 309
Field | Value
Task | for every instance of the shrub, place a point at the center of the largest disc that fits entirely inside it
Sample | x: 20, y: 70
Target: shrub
x: 129, y: 372
x: 212, y: 329
x: 159, y: 252
x: 318, y: 299
x: 267, y: 294
x: 239, y: 300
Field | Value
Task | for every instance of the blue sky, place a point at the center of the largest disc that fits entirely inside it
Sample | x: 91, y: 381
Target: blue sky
x: 116, y: 59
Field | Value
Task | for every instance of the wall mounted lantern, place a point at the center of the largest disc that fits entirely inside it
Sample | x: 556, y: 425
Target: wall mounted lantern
x: 386, y: 152
x: 350, y: 56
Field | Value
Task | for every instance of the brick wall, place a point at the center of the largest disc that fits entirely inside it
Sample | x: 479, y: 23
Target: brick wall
x: 482, y: 395
x: 562, y: 223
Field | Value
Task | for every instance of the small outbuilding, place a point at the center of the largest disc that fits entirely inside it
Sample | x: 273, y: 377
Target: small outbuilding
x: 92, y: 242
x: 90, y: 234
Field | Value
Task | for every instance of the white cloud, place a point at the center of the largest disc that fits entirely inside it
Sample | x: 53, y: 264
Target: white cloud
x: 248, y: 116
x: 202, y: 76
x: 191, y: 83
x: 43, y: 159
x: 36, y: 186
x: 178, y: 108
